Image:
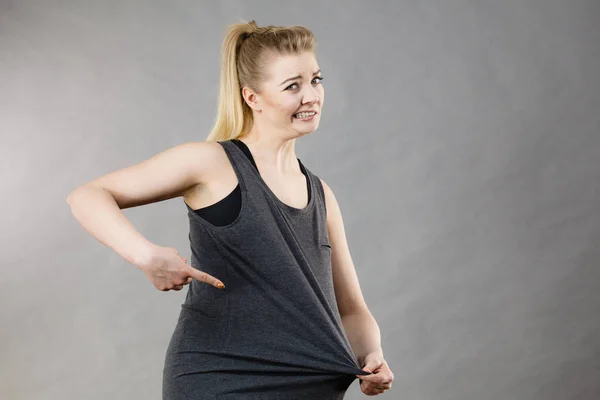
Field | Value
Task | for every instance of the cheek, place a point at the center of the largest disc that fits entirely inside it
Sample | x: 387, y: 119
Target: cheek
x: 286, y: 108
x: 289, y: 106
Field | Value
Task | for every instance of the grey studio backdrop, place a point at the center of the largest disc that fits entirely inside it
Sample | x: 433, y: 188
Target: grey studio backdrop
x: 462, y: 139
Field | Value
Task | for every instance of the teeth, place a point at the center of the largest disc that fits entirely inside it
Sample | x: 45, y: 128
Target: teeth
x: 304, y: 114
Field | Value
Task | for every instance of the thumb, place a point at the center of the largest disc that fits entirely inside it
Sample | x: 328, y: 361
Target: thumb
x: 204, y: 277
x: 369, y: 367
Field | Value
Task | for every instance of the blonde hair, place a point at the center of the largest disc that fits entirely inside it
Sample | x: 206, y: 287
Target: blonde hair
x: 244, y: 56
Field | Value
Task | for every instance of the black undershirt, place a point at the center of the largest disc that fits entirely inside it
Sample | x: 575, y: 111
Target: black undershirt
x: 226, y: 210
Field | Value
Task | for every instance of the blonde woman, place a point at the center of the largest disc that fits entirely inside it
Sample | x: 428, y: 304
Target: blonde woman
x: 273, y: 309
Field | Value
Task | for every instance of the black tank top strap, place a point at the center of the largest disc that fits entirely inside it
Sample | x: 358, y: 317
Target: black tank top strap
x: 242, y: 146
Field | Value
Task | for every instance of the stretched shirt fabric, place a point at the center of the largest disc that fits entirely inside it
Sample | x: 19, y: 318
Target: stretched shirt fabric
x: 274, y: 332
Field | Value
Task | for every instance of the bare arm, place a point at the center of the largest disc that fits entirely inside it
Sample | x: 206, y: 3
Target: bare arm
x: 97, y: 204
x: 360, y: 325
x: 98, y: 213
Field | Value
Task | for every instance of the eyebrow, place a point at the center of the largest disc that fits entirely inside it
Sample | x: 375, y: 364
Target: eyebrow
x: 297, y: 77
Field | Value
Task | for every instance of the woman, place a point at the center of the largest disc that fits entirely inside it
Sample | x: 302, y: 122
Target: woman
x: 261, y: 319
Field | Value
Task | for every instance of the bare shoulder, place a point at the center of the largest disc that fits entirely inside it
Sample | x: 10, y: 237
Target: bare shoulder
x: 206, y: 157
x: 325, y: 185
x: 327, y: 190
x: 330, y: 200
x: 168, y: 174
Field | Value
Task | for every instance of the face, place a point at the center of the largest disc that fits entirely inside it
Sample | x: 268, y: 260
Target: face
x: 293, y: 85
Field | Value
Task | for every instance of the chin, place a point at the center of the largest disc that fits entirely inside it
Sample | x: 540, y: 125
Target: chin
x: 299, y: 133
x: 308, y: 127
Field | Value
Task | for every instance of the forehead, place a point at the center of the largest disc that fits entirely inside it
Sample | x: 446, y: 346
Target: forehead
x: 285, y: 66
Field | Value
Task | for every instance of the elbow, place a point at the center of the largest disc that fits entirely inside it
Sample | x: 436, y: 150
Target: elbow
x: 356, y: 310
x: 72, y: 195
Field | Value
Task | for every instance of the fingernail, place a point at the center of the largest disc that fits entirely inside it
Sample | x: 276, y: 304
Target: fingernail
x: 220, y: 285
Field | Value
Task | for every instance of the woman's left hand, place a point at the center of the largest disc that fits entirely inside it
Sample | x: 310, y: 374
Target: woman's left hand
x: 381, y: 378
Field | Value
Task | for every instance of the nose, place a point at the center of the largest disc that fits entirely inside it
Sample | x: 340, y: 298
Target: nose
x: 311, y: 96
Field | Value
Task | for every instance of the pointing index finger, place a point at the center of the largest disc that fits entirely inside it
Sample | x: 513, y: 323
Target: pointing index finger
x: 204, y: 277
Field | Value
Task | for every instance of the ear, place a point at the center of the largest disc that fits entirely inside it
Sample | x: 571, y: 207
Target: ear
x: 251, y: 98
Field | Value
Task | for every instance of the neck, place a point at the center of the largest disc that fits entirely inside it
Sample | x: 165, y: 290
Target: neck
x: 273, y: 151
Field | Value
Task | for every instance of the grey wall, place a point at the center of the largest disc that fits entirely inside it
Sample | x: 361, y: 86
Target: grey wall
x: 462, y: 140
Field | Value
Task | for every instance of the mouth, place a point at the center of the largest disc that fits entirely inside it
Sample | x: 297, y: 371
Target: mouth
x: 305, y: 115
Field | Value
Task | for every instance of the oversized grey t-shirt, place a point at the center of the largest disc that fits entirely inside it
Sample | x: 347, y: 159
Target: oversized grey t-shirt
x: 275, y: 331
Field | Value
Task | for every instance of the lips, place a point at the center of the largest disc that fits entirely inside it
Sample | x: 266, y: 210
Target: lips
x: 304, y: 117
x: 313, y: 114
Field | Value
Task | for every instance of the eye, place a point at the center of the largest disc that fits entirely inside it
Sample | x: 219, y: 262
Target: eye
x: 320, y: 78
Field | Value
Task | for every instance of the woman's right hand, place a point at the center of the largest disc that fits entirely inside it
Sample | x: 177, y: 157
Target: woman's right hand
x: 167, y: 270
